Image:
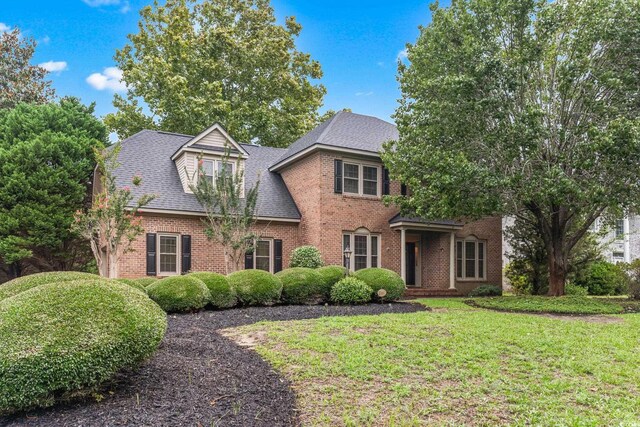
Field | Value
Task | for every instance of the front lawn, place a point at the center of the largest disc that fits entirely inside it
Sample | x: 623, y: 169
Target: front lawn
x: 457, y: 365
x: 542, y: 304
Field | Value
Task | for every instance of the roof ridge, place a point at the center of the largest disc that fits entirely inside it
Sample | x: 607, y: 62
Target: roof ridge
x: 170, y: 133
x: 326, y: 130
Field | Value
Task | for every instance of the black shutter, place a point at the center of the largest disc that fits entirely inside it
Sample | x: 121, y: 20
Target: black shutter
x: 385, y: 181
x: 277, y: 255
x: 337, y: 175
x: 151, y: 254
x: 248, y: 260
x: 186, y: 253
x: 403, y: 189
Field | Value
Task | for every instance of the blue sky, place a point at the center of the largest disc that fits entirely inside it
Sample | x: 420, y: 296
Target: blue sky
x: 357, y: 43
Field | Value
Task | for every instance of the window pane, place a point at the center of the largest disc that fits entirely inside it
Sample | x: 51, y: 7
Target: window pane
x: 370, y: 173
x: 350, y: 185
x: 262, y: 248
x: 351, y: 171
x: 459, y: 259
x: 225, y: 167
x: 361, y: 245
x: 346, y: 242
x: 374, y: 261
x: 481, y: 260
x: 168, y: 244
x: 370, y: 188
x: 360, y: 262
x: 470, y: 259
x: 168, y: 263
x: 374, y: 245
x: 262, y: 263
x: 619, y: 227
x: 207, y: 167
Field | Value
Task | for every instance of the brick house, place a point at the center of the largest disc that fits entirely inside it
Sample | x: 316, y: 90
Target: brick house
x: 324, y: 190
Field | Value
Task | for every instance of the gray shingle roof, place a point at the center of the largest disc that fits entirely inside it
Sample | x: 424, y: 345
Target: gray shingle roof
x: 148, y: 153
x: 347, y: 130
x: 417, y: 220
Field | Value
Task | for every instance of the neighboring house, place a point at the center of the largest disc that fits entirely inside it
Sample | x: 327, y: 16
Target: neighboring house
x: 324, y: 190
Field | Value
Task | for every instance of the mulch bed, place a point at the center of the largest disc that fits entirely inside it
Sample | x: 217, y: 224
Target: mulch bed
x: 200, y: 378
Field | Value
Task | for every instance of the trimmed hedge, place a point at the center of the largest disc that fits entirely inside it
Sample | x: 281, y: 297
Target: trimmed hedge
x: 24, y: 283
x: 133, y: 283
x: 331, y: 274
x: 62, y: 340
x: 222, y: 294
x: 146, y: 281
x: 540, y: 304
x: 179, y: 294
x: 486, y: 291
x: 382, y: 278
x: 256, y: 287
x: 351, y: 290
x: 306, y: 256
x: 301, y: 285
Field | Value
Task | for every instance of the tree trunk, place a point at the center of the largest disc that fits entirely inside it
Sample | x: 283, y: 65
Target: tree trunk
x: 113, y: 266
x: 15, y: 270
x: 557, y: 262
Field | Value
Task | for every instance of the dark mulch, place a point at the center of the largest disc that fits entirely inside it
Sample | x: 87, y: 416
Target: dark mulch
x: 198, y: 377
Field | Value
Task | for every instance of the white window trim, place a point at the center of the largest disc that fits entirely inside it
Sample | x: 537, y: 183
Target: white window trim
x: 464, y: 260
x: 271, y: 254
x: 361, y: 179
x: 352, y: 260
x: 215, y: 161
x: 178, y: 255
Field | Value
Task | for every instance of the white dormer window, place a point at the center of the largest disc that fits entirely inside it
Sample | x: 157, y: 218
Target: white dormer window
x: 224, y: 168
x: 207, y: 170
x: 215, y: 168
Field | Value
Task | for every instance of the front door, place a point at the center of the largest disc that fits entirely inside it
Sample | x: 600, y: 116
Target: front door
x: 411, y: 263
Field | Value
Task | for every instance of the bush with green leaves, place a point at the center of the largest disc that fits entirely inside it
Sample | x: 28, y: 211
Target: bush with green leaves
x: 382, y: 278
x: 306, y: 256
x: 256, y: 287
x: 133, y: 283
x: 222, y: 294
x: 62, y: 340
x: 351, y: 290
x: 486, y: 291
x: 24, y: 283
x: 145, y: 281
x: 603, y: 278
x: 572, y: 289
x: 180, y: 294
x: 331, y: 274
x: 301, y: 285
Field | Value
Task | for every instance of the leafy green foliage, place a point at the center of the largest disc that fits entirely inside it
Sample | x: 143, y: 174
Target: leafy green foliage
x: 507, y: 104
x: 633, y: 273
x: 486, y: 291
x: 572, y: 289
x: 301, y: 285
x: 145, y: 281
x: 178, y: 294
x: 382, y: 278
x: 133, y: 283
x: 603, y: 278
x: 199, y: 63
x: 256, y: 287
x: 222, y: 294
x: 541, y: 304
x: 24, y: 283
x: 46, y: 165
x: 351, y: 291
x: 331, y: 274
x: 19, y: 80
x: 63, y: 339
x: 306, y: 256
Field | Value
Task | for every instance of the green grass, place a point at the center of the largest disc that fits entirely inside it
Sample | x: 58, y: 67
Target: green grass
x: 541, y: 304
x: 458, y: 365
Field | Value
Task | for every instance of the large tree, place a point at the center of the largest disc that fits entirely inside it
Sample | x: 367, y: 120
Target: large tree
x: 46, y: 165
x: 19, y: 80
x: 228, y: 61
x: 527, y: 108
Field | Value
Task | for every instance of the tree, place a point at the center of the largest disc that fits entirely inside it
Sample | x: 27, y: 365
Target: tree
x: 527, y: 109
x: 230, y: 210
x: 19, y: 80
x: 195, y: 64
x: 46, y: 164
x: 112, y: 223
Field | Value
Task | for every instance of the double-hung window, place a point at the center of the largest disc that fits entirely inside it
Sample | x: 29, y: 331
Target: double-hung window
x: 207, y: 171
x: 168, y: 260
x: 364, y: 248
x: 471, y: 259
x: 215, y: 168
x: 619, y: 229
x: 264, y: 255
x: 360, y: 179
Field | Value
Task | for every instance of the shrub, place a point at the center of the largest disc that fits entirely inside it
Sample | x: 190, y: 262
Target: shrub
x: 306, y: 256
x: 222, y: 294
x: 133, y: 283
x: 331, y: 274
x: 603, y: 278
x: 301, y: 286
x: 146, y: 281
x: 575, y: 290
x: 633, y: 273
x: 486, y: 291
x: 381, y: 278
x: 177, y: 294
x: 256, y: 287
x: 24, y: 283
x: 351, y: 291
x: 540, y: 304
x: 62, y: 340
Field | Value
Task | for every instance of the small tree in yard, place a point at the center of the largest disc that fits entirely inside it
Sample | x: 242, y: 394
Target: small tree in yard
x: 230, y: 210
x: 527, y: 109
x: 111, y: 224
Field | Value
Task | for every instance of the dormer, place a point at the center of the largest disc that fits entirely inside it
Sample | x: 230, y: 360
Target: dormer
x: 210, y: 145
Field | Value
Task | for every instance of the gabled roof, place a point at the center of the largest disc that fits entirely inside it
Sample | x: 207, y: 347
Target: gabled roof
x: 148, y: 154
x: 193, y: 143
x: 399, y: 220
x: 344, y: 131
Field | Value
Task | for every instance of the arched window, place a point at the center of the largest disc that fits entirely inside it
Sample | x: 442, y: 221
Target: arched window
x: 364, y: 247
x: 471, y: 258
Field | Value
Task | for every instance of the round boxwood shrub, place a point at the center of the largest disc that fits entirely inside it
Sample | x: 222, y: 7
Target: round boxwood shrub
x: 301, y: 285
x: 179, y: 294
x: 306, y: 256
x: 133, y: 283
x: 382, y: 278
x: 222, y: 294
x: 146, y: 281
x: 256, y: 287
x: 486, y: 291
x: 351, y: 291
x: 331, y: 274
x: 24, y: 283
x: 62, y: 340
x: 603, y: 278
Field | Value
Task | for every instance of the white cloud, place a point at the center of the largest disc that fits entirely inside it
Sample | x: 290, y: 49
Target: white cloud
x: 110, y: 78
x: 123, y: 5
x: 4, y: 27
x: 402, y: 55
x: 54, y: 66
x: 46, y: 40
x: 364, y: 93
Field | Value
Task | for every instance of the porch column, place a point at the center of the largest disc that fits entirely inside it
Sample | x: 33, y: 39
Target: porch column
x: 403, y: 254
x: 627, y: 241
x: 452, y: 261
